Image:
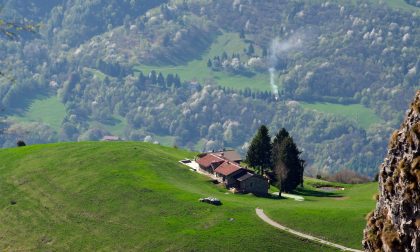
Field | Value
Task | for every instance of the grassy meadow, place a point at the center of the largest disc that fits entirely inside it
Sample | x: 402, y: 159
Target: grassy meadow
x: 136, y: 196
x: 362, y: 115
x: 48, y: 110
x: 401, y: 4
x: 197, y: 70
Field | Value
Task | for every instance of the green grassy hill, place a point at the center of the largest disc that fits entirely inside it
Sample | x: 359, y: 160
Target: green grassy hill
x: 135, y: 196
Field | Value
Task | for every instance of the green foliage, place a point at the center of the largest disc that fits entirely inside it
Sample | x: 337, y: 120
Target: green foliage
x: 20, y: 143
x: 259, y: 151
x: 288, y: 166
x: 13, y: 30
x: 251, y: 50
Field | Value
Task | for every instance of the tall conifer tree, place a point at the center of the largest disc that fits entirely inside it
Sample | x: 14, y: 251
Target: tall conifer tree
x: 259, y: 152
x: 288, y: 166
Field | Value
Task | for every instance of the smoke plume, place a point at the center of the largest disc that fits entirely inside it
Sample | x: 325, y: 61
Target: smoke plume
x: 279, y: 50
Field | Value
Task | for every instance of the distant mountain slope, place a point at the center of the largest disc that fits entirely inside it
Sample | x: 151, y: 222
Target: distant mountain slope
x: 136, y: 196
x: 138, y: 69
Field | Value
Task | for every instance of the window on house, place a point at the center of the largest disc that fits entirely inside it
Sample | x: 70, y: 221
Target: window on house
x: 250, y: 185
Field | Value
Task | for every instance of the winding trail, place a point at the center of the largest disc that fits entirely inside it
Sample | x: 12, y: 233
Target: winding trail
x: 266, y: 219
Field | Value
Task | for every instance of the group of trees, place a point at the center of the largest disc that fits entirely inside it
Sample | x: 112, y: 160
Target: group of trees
x: 278, y: 159
x: 154, y: 78
x: 228, y: 64
x: 248, y: 66
x: 113, y: 69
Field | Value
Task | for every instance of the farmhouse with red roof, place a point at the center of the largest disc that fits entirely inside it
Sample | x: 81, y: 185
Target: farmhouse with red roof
x: 224, y: 165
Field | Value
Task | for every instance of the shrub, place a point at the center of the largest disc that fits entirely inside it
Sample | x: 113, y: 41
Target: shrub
x: 20, y: 143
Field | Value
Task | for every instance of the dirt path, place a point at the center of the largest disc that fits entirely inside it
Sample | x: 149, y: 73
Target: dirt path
x: 266, y: 219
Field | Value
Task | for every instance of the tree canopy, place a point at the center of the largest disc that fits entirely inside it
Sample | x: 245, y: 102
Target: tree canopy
x: 259, y: 152
x: 288, y: 166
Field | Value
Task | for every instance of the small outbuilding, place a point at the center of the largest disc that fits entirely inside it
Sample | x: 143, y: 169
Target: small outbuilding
x: 253, y: 183
x: 228, y: 172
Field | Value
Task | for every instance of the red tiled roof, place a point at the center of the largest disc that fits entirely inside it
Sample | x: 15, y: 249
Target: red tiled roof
x: 230, y: 155
x: 227, y: 168
x: 209, y: 159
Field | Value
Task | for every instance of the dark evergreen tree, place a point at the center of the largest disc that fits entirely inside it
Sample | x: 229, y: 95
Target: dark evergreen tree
x: 286, y: 162
x: 141, y: 80
x: 107, y: 81
x: 259, y: 152
x: 209, y: 64
x: 169, y: 80
x: 251, y: 50
x: 160, y: 80
x: 177, y: 81
x: 242, y: 34
x: 166, y: 40
x: 153, y: 77
x: 280, y: 136
x: 224, y: 56
x: 264, y: 52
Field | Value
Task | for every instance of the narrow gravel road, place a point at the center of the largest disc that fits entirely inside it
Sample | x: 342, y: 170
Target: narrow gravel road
x: 266, y: 219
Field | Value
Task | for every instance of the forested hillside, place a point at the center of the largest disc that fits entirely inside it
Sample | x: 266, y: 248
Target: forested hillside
x: 206, y: 74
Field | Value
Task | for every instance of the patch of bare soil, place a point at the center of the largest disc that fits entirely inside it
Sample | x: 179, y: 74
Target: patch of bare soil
x: 330, y: 188
x: 340, y: 198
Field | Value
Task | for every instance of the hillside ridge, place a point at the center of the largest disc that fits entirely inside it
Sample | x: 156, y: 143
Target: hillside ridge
x: 137, y: 196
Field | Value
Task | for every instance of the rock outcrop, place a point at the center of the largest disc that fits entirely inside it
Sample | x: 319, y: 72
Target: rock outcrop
x: 395, y: 223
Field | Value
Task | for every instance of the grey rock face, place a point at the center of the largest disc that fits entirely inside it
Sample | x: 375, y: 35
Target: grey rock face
x: 395, y: 223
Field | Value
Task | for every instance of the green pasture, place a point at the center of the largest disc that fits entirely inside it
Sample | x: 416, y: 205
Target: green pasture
x: 197, y: 70
x: 136, y: 196
x: 362, y: 115
x: 48, y: 110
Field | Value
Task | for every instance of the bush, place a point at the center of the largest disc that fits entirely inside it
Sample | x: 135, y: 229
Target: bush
x: 20, y: 143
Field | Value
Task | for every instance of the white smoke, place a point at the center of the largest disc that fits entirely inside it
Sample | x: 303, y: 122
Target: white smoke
x: 279, y: 49
x: 274, y: 87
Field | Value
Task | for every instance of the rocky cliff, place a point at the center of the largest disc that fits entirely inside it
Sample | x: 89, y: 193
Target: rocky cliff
x: 395, y: 223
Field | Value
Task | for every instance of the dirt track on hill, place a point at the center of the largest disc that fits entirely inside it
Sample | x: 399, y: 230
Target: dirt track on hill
x: 266, y: 219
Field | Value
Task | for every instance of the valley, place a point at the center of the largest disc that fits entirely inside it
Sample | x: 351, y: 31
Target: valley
x: 197, y: 74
